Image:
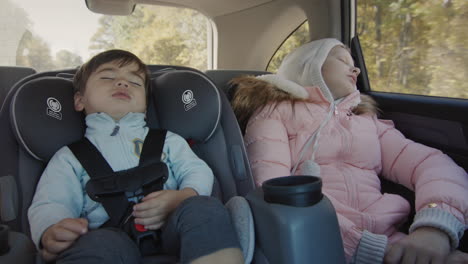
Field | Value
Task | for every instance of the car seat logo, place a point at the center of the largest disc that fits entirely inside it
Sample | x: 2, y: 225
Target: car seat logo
x: 53, y: 108
x: 188, y: 100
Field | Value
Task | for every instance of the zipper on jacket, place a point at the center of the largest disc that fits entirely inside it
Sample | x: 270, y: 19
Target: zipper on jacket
x: 351, y: 183
x: 116, y: 130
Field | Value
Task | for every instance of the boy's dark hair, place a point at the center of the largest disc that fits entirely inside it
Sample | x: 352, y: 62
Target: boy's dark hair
x: 122, y: 57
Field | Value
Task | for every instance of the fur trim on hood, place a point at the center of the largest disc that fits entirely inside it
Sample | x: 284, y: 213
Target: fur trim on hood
x: 252, y: 93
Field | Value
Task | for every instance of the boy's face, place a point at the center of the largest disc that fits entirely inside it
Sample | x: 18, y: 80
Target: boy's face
x: 113, y: 89
x: 339, y: 73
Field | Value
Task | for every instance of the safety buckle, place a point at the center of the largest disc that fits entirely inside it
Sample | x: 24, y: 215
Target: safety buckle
x: 146, y: 240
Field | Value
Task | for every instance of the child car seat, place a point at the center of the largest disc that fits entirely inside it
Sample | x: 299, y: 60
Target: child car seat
x: 184, y: 101
x: 9, y: 75
x: 43, y: 120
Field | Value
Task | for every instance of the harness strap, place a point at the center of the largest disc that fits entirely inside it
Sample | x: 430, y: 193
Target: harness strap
x: 97, y: 167
x: 152, y: 146
x: 151, y: 154
x: 90, y: 158
x: 114, y: 200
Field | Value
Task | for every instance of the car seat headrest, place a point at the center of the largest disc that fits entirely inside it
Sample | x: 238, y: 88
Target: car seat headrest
x: 66, y: 75
x: 44, y: 119
x: 187, y: 103
x: 43, y: 116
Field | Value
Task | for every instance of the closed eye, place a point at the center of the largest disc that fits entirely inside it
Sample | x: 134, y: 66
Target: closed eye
x: 343, y: 60
x: 107, y: 78
x: 135, y: 83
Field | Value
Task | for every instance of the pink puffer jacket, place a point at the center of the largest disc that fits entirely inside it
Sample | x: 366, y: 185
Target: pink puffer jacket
x: 353, y: 151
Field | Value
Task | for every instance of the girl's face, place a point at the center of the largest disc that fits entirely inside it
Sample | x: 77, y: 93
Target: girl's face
x: 339, y: 73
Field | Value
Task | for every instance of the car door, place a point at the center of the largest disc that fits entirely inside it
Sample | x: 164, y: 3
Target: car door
x: 437, y: 122
x: 416, y: 71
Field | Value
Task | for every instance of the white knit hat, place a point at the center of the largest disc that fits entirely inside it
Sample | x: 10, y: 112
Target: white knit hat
x: 304, y: 65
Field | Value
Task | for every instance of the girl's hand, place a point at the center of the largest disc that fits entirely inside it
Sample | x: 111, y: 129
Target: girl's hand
x: 61, y: 236
x: 154, y: 208
x: 424, y: 245
x: 457, y: 257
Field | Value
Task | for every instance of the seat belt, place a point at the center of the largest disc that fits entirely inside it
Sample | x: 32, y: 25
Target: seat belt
x: 109, y: 188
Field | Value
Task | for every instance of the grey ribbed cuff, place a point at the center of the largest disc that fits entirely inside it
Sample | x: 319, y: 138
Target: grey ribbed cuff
x: 371, y: 248
x: 440, y: 219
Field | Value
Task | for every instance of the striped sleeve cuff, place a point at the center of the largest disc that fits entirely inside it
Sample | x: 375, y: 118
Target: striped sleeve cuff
x: 371, y: 248
x: 440, y: 219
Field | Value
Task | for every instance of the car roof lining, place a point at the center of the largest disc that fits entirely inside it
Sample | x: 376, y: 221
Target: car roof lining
x: 211, y: 8
x: 247, y: 32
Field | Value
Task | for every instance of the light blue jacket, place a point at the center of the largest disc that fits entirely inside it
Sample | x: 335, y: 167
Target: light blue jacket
x: 61, y: 191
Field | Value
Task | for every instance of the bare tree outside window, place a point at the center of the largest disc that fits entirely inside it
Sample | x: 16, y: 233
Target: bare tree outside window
x: 297, y: 38
x: 156, y: 34
x: 415, y: 47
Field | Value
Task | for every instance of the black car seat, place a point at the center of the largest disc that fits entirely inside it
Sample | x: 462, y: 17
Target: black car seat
x: 16, y: 184
x: 184, y: 101
x: 9, y: 75
x: 209, y: 124
x: 43, y: 119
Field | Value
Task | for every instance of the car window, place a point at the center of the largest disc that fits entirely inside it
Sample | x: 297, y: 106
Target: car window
x: 415, y: 47
x: 297, y: 38
x: 64, y: 34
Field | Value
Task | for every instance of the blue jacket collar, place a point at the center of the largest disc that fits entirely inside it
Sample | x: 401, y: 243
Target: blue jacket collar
x: 103, y: 123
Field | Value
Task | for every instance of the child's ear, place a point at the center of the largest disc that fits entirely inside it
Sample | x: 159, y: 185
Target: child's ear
x: 78, y: 99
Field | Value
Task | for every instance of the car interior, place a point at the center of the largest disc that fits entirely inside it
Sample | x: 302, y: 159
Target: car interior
x: 243, y: 37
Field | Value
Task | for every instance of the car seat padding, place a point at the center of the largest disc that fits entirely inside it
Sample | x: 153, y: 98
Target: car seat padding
x: 43, y: 116
x: 188, y: 96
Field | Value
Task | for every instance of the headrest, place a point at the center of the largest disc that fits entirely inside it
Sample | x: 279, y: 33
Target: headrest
x: 187, y: 103
x: 43, y: 116
x: 44, y: 119
x: 221, y: 78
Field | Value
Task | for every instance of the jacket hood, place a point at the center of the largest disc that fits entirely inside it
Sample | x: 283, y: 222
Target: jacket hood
x: 254, y: 93
x: 304, y: 65
x: 284, y: 85
x: 313, y: 93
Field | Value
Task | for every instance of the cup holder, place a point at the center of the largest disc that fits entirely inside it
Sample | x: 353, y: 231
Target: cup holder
x: 298, y: 190
x: 4, y: 233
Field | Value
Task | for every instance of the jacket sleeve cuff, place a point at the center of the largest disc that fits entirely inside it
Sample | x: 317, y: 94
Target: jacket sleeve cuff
x: 440, y: 219
x: 371, y: 248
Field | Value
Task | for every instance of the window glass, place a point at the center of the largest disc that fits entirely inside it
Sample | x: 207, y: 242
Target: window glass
x: 415, y: 47
x: 299, y: 37
x: 64, y: 34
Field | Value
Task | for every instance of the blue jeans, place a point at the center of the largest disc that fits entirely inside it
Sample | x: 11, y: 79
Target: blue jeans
x: 200, y: 226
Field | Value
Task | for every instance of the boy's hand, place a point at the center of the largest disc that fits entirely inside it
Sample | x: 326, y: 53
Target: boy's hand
x: 154, y: 208
x: 61, y: 236
x: 424, y: 245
